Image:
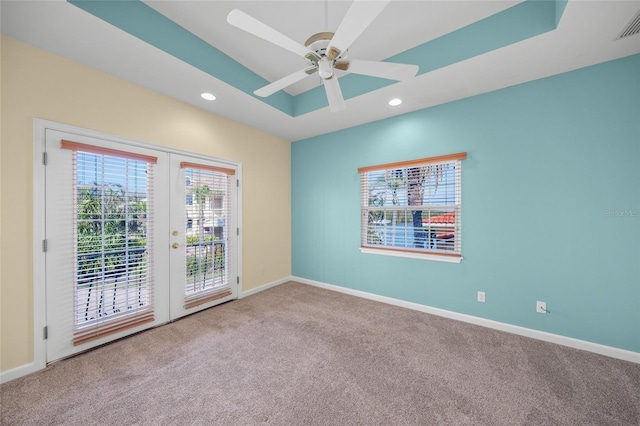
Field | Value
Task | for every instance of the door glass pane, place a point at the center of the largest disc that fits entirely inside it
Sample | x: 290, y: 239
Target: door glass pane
x: 206, y: 209
x: 112, y: 225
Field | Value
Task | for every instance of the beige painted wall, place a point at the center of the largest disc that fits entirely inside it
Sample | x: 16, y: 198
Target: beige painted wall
x: 36, y: 84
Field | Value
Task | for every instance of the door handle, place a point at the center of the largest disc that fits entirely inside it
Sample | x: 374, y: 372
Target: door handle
x: 175, y: 245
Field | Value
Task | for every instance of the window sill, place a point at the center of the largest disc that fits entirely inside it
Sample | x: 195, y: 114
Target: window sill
x: 412, y: 254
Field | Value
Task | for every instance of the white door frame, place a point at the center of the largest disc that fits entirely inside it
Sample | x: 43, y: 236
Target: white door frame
x: 39, y: 271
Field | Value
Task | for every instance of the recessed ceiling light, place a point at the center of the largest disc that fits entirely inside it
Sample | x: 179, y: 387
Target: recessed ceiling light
x: 395, y: 101
x: 208, y: 96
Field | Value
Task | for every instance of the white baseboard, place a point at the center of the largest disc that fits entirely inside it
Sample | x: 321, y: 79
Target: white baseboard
x: 14, y: 373
x: 263, y: 287
x: 612, y: 352
x: 514, y: 329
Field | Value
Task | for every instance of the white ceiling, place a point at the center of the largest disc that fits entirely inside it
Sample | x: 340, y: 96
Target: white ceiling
x: 586, y: 35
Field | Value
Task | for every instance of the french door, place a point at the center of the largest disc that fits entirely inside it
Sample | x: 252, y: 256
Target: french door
x: 203, y: 233
x: 135, y: 237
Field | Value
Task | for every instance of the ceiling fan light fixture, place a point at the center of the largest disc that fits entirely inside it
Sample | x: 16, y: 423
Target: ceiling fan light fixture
x: 208, y: 96
x: 312, y: 57
x: 324, y: 69
x: 333, y: 53
x: 341, y: 65
x: 395, y: 101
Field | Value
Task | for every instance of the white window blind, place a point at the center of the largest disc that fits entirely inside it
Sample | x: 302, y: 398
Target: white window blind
x: 112, y: 231
x: 413, y: 207
x: 208, y: 209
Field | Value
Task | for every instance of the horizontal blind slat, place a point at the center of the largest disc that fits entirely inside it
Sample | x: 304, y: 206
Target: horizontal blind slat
x: 77, y: 146
x: 413, y: 206
x: 208, y: 203
x: 415, y: 163
x: 113, y: 232
x: 95, y: 333
x: 207, y: 297
x: 196, y: 166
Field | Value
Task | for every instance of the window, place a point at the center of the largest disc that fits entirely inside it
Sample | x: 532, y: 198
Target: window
x: 413, y: 208
x: 206, y: 251
x: 217, y: 202
x: 113, y: 288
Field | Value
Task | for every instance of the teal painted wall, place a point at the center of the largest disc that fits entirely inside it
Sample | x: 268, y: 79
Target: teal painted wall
x: 551, y: 205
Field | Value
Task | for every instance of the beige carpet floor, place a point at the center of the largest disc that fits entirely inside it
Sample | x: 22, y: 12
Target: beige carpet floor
x: 300, y: 355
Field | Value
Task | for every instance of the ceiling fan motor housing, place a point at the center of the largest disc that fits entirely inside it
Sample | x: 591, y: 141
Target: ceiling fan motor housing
x: 319, y: 43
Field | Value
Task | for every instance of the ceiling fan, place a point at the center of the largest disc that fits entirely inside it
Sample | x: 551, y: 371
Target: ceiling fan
x: 327, y: 52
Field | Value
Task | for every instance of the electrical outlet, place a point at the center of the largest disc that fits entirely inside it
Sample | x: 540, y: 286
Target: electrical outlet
x: 541, y: 307
x: 481, y: 296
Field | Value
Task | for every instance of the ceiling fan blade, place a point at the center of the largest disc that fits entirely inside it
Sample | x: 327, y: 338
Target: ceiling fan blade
x: 334, y: 94
x: 272, y: 88
x: 388, y: 70
x: 241, y: 20
x: 358, y: 17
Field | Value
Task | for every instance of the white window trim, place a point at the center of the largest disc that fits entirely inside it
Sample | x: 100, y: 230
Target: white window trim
x: 412, y: 255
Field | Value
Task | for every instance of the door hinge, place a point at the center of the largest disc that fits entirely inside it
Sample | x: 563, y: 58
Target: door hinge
x: 45, y: 245
x: 45, y: 332
x: 45, y: 159
x: 238, y: 280
x: 237, y: 231
x: 237, y: 182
